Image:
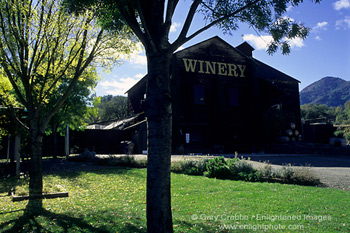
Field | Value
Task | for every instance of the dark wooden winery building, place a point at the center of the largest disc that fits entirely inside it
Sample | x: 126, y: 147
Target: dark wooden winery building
x: 223, y: 101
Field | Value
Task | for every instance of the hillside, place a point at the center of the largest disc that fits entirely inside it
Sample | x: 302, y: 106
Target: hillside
x: 330, y: 91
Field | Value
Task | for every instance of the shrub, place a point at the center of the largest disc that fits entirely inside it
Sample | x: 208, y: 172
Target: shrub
x: 190, y: 167
x: 142, y: 163
x: 285, y: 173
x: 304, y: 176
x: 242, y: 170
x: 266, y: 172
x: 289, y: 175
x: 233, y: 169
x: 176, y: 167
x: 218, y: 168
x: 125, y: 161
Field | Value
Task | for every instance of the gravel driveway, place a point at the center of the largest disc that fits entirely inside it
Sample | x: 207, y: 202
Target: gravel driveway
x: 333, y: 171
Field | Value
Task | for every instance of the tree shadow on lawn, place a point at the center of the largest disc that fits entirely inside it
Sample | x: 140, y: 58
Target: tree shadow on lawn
x: 5, y: 186
x: 69, y: 169
x: 35, y: 222
x: 29, y: 223
x: 197, y: 226
x: 65, y: 223
x: 8, y: 184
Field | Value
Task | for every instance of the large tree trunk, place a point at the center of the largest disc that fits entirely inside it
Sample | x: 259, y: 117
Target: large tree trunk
x: 36, y: 171
x: 159, y: 123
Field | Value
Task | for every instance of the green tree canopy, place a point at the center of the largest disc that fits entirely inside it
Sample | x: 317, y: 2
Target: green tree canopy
x: 338, y: 116
x: 79, y: 106
x: 111, y: 108
x: 44, y: 53
x: 317, y: 111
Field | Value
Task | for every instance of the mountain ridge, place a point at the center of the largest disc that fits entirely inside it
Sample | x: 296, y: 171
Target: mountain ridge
x: 331, y: 91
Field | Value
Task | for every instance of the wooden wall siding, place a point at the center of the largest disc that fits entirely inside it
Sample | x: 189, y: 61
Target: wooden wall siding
x: 219, y: 95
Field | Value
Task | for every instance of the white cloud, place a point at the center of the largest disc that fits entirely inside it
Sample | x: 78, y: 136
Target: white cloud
x: 320, y: 26
x: 139, y: 59
x: 289, y: 8
x: 119, y: 87
x: 318, y: 38
x: 296, y: 42
x: 259, y: 42
x: 174, y: 26
x: 139, y: 76
x: 343, y: 23
x: 338, y: 5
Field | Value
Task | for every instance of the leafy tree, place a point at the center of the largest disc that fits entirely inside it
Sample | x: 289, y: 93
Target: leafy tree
x: 77, y: 109
x: 318, y: 111
x: 151, y: 21
x: 111, y: 108
x: 44, y: 53
x: 7, y: 125
x: 338, y: 116
x: 343, y: 122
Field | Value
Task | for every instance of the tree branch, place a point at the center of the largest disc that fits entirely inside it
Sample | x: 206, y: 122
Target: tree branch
x: 169, y: 14
x: 178, y: 42
x: 15, y: 118
x: 79, y: 70
x: 181, y: 40
x: 149, y: 39
x: 131, y: 20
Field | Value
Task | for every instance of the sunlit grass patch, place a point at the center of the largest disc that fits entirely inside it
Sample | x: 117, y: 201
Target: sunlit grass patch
x: 114, y: 200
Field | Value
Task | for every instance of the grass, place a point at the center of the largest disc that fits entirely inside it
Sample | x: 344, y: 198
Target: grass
x: 113, y: 200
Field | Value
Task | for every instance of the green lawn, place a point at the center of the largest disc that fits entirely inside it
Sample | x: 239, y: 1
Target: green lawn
x: 113, y: 200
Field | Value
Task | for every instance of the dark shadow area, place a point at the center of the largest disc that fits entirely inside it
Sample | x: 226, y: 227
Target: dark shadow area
x: 303, y: 160
x: 199, y: 226
x: 47, y: 221
x: 70, y: 169
x: 9, y: 183
x: 29, y: 223
x: 6, y: 185
x: 9, y: 212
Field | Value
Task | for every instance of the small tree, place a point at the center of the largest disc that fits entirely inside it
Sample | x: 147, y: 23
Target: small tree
x: 43, y: 54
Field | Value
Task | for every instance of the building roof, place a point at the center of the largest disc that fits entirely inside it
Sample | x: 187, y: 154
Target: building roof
x: 246, y: 48
x: 263, y: 71
x: 269, y: 73
x: 214, y: 42
x: 115, y: 124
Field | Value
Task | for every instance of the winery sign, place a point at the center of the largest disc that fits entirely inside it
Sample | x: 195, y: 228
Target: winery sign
x: 211, y: 67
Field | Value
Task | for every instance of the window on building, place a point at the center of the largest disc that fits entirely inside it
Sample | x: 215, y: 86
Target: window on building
x: 199, y: 95
x: 233, y: 99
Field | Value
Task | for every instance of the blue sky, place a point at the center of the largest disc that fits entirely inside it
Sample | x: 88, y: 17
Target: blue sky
x: 326, y: 51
